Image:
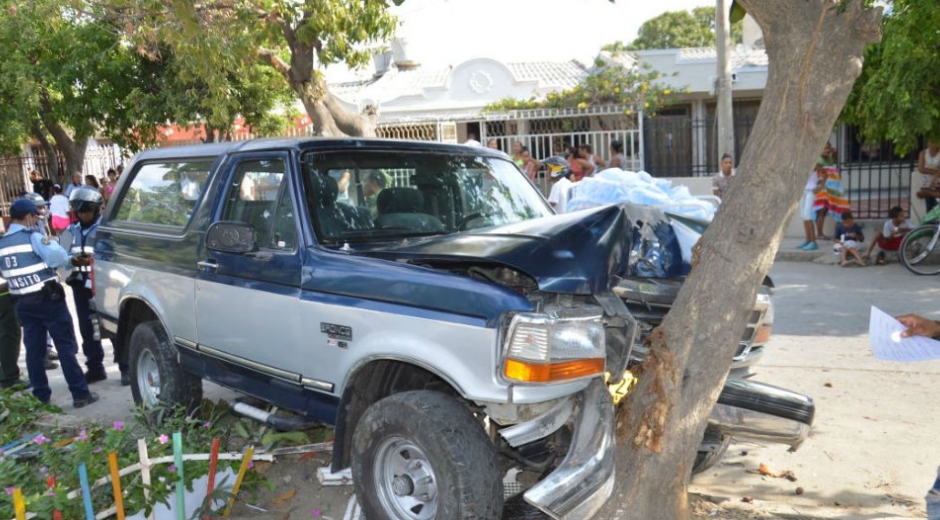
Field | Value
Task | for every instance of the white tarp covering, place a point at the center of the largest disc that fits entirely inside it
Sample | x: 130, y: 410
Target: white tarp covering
x: 614, y: 186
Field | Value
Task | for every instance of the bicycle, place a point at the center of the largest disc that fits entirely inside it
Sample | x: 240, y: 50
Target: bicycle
x: 919, y: 252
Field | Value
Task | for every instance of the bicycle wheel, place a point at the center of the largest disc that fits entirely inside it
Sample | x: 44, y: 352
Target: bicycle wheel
x: 919, y: 252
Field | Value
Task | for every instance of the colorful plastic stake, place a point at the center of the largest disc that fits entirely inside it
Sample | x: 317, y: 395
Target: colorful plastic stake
x: 19, y: 505
x: 116, y: 485
x: 144, y: 456
x: 86, y: 491
x: 210, y: 487
x: 50, y: 484
x: 180, y: 485
x: 246, y: 460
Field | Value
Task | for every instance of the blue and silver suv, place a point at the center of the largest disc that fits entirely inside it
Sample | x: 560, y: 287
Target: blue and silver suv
x: 422, y: 298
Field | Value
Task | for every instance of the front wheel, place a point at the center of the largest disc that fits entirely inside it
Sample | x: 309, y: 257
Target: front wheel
x: 422, y: 455
x: 919, y: 252
x: 156, y: 377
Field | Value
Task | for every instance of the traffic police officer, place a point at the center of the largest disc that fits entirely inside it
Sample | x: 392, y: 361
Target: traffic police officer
x: 28, y: 262
x: 86, y: 204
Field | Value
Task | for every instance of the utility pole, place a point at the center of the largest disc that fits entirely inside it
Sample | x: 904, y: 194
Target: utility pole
x: 725, y: 113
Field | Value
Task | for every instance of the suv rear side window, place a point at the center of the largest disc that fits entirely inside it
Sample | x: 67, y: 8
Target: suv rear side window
x: 164, y: 193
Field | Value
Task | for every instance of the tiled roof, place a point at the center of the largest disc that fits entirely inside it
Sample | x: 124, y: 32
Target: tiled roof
x: 550, y: 76
x: 741, y: 56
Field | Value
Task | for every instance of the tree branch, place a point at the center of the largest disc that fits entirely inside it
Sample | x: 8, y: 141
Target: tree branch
x: 269, y: 57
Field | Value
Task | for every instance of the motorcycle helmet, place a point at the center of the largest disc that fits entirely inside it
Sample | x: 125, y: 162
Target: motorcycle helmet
x: 85, y: 199
x: 36, y: 198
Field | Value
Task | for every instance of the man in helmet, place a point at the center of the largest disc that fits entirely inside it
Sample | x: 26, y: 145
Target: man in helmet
x: 86, y: 205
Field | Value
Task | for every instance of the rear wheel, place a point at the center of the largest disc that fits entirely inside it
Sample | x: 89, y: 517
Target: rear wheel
x: 421, y: 455
x: 919, y: 250
x: 156, y: 377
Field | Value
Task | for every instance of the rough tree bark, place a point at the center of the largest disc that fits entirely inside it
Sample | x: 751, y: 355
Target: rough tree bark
x: 50, y: 152
x: 815, y: 48
x: 328, y: 115
x: 73, y: 150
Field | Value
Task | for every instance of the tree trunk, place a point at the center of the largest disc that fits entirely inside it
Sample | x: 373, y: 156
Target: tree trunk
x: 73, y: 150
x: 329, y: 117
x: 815, y: 51
x: 50, y: 151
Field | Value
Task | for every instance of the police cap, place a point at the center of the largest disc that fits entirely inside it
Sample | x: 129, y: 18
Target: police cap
x: 22, y: 207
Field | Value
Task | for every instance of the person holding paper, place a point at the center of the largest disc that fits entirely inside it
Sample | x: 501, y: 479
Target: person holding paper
x: 919, y: 326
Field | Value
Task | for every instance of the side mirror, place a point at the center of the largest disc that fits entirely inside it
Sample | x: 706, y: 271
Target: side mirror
x: 231, y: 237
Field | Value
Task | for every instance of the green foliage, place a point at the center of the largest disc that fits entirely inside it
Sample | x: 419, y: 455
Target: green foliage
x: 59, y: 453
x: 680, y: 29
x: 217, y: 40
x: 611, y: 83
x: 896, y: 98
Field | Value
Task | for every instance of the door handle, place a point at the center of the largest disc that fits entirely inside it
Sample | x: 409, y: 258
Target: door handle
x: 208, y: 264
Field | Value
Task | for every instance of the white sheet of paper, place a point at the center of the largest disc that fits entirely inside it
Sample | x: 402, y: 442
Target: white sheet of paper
x: 884, y: 333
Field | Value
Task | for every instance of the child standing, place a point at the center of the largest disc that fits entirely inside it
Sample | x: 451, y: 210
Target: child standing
x: 848, y: 237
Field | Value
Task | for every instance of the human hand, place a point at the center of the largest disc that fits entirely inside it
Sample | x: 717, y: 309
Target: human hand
x: 919, y: 326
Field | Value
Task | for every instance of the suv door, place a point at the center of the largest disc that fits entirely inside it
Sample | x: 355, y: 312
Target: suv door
x: 247, y: 303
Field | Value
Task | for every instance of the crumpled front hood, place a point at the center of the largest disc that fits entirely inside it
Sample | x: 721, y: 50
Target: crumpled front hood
x: 577, y: 253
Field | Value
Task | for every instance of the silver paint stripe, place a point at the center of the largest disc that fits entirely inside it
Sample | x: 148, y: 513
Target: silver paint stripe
x: 317, y: 384
x: 191, y: 345
x: 293, y: 377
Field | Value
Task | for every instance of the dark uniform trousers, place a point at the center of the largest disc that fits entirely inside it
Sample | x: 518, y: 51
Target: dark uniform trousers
x: 91, y: 347
x: 10, y: 338
x: 43, y: 311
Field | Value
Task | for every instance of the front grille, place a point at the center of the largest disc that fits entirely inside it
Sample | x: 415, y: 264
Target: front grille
x: 650, y: 310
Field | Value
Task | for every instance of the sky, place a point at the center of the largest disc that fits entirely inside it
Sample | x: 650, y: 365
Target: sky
x: 448, y: 32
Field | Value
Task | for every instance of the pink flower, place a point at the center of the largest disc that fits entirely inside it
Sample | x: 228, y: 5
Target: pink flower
x: 251, y: 464
x: 44, y: 469
x: 118, y: 425
x: 99, y: 449
x: 82, y: 436
x: 51, y: 493
x: 172, y: 468
x: 207, y: 424
x: 163, y: 439
x: 41, y: 439
x: 10, y: 490
x: 316, y: 513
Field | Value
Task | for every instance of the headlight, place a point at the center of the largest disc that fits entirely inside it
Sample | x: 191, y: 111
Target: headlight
x: 560, y: 346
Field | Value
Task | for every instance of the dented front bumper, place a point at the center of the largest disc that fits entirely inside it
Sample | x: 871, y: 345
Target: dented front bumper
x: 584, y: 480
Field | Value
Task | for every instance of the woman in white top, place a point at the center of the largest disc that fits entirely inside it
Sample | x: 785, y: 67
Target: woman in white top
x: 59, y: 208
x: 928, y: 165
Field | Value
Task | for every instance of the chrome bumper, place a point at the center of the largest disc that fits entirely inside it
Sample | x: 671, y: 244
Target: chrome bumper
x: 761, y: 412
x: 584, y: 480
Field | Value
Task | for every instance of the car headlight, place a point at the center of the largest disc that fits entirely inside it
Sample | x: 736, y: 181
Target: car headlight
x: 552, y: 347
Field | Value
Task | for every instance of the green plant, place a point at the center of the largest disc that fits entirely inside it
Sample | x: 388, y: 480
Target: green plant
x: 60, y: 452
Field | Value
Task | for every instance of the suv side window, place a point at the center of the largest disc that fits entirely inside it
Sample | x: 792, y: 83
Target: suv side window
x: 258, y: 196
x: 164, y: 193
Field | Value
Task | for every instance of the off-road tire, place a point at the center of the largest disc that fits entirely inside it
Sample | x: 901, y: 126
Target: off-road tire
x: 705, y: 459
x: 445, y: 435
x: 149, y: 344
